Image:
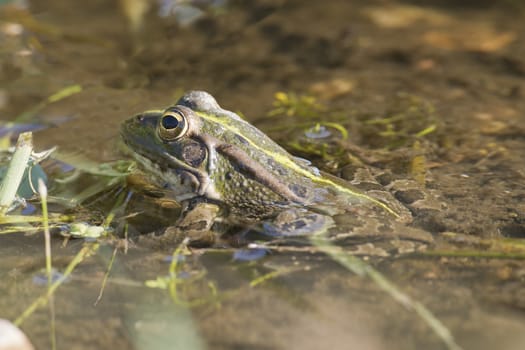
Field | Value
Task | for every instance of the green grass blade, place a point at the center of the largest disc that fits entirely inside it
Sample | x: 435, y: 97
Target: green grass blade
x: 361, y: 268
x: 15, y: 172
x: 86, y: 251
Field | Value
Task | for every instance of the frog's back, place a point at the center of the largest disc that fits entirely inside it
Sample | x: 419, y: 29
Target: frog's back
x: 241, y: 133
x: 256, y: 146
x: 295, y: 178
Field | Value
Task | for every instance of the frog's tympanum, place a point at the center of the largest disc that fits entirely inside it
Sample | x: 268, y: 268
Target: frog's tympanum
x: 225, y: 171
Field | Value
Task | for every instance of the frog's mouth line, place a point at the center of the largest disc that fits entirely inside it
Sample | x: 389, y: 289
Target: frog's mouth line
x: 181, y: 182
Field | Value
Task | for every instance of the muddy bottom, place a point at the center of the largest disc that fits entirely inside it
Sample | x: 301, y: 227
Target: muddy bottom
x: 455, y: 71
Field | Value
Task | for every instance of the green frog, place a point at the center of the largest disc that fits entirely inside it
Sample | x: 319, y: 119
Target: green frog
x: 226, y: 172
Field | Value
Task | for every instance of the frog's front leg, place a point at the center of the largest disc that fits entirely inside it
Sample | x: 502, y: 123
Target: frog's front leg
x: 195, y: 223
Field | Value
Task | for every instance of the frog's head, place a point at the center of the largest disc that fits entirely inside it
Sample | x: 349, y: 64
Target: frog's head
x: 166, y: 144
x: 199, y: 149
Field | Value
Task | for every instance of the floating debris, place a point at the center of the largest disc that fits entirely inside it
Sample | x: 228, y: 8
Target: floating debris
x: 317, y: 132
x: 84, y: 230
x: 41, y: 279
x: 185, y: 12
x: 250, y: 254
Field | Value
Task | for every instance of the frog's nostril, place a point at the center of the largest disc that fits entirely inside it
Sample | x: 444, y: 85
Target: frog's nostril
x: 139, y: 118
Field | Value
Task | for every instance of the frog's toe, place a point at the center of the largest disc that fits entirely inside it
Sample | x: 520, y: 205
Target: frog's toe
x: 195, y: 238
x: 297, y: 223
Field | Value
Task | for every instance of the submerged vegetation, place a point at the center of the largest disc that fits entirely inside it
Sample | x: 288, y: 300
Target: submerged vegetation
x: 335, y: 138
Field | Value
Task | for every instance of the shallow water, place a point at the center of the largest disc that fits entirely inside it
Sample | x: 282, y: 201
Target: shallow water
x: 357, y: 56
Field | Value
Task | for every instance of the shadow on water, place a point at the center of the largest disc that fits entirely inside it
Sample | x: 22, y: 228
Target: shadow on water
x: 456, y: 76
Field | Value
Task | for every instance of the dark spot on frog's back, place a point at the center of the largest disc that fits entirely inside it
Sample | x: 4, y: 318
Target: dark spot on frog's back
x: 273, y: 165
x: 241, y: 139
x: 300, y: 191
x: 194, y: 154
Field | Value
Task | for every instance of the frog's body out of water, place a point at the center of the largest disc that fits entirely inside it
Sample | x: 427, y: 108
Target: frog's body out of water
x: 221, y: 168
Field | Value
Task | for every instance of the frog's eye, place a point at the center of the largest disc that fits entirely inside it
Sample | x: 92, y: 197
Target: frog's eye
x: 172, y: 125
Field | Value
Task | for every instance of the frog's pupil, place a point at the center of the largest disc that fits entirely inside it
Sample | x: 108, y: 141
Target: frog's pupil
x: 170, y: 122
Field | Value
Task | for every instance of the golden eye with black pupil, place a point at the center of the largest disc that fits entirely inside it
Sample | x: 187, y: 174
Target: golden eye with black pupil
x: 172, y: 126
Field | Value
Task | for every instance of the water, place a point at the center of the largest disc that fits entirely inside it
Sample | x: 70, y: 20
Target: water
x: 293, y: 297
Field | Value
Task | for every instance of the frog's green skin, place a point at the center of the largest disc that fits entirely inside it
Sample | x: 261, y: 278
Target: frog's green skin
x: 206, y: 154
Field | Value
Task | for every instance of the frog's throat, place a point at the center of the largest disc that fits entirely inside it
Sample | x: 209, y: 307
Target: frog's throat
x: 205, y: 187
x: 288, y: 163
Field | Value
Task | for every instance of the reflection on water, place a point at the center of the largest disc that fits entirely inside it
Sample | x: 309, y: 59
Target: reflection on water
x: 288, y: 296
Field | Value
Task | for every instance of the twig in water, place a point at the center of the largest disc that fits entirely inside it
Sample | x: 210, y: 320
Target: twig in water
x: 42, y: 190
x: 106, y: 276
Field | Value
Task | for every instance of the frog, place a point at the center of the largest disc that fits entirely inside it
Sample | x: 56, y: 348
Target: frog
x: 225, y: 172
